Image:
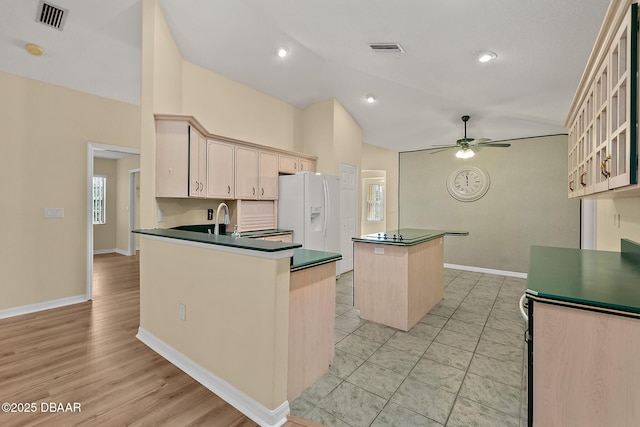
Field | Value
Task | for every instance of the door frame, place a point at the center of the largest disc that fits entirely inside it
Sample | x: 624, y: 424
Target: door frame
x: 92, y: 148
x: 133, y: 209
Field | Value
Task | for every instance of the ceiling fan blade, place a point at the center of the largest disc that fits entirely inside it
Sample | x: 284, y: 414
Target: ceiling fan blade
x: 494, y: 144
x: 444, y: 145
x: 442, y: 149
x: 481, y: 140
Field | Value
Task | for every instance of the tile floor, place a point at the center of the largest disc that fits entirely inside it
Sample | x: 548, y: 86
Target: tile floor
x: 462, y: 365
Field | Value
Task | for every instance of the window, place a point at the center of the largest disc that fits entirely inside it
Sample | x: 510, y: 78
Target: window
x: 374, y: 203
x: 99, y: 199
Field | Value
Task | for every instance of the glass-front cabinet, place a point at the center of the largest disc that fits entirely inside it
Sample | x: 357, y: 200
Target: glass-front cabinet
x: 602, y: 121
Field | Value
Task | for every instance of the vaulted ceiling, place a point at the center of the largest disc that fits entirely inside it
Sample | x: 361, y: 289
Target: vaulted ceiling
x: 542, y: 47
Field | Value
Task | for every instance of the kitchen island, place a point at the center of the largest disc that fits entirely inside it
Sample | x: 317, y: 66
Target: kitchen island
x: 398, y: 276
x: 584, y: 336
x: 244, y: 317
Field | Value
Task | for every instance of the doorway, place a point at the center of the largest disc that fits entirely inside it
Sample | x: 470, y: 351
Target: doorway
x: 109, y: 152
x: 348, y: 214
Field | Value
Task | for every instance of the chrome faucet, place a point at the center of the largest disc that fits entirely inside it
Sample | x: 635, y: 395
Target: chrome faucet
x: 226, y: 217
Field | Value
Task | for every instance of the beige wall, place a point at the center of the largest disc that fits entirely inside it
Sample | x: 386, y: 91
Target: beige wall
x: 104, y: 235
x: 376, y: 158
x: 526, y: 204
x: 45, y: 130
x: 237, y: 318
x: 231, y: 109
x: 608, y: 232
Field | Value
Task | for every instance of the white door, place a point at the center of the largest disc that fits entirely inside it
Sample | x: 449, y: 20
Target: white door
x: 348, y: 214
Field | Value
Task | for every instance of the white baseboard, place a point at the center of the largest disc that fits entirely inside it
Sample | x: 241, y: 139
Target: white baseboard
x: 32, y: 308
x: 110, y: 251
x: 486, y: 270
x: 236, y: 398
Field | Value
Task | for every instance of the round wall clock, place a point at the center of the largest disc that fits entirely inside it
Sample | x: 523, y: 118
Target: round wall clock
x: 468, y: 183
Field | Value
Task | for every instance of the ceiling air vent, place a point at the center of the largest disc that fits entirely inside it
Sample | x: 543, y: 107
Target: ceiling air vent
x: 386, y: 47
x: 52, y: 16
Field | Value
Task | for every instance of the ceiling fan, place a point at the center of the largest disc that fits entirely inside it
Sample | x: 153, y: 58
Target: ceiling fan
x: 464, y: 144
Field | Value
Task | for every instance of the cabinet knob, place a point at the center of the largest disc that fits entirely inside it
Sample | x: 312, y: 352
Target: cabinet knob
x: 262, y: 192
x: 228, y: 189
x: 584, y: 184
x: 571, y: 185
x: 603, y: 167
x: 253, y: 190
x: 301, y: 166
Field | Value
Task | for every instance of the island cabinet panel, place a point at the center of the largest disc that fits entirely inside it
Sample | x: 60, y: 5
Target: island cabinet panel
x: 312, y: 297
x: 397, y: 285
x: 585, y: 367
x: 220, y: 170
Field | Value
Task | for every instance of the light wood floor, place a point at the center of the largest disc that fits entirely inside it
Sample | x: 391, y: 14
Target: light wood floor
x: 87, y: 353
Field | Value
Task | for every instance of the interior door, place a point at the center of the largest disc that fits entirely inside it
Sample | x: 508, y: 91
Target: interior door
x: 348, y: 214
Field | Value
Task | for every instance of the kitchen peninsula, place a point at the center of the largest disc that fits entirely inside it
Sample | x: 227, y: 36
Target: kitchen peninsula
x: 398, y: 275
x: 250, y: 319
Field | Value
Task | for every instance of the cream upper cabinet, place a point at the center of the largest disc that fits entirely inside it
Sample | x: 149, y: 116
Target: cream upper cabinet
x: 306, y: 165
x: 220, y: 170
x: 602, y: 121
x: 268, y: 171
x: 246, y: 173
x: 197, y: 164
x: 287, y: 163
x: 172, y: 159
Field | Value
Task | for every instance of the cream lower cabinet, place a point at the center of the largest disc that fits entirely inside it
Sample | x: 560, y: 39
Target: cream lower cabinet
x: 220, y: 170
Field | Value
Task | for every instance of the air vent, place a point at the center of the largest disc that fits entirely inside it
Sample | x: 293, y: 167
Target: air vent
x: 51, y: 16
x: 387, y: 47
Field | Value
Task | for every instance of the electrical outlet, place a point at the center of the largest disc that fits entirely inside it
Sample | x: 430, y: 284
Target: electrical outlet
x: 183, y: 312
x: 210, y: 214
x: 53, y: 212
x: 160, y: 215
x: 378, y: 251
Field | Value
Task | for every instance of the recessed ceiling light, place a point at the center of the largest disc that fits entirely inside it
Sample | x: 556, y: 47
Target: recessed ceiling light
x: 282, y: 52
x: 33, y: 49
x: 370, y: 98
x: 486, y: 56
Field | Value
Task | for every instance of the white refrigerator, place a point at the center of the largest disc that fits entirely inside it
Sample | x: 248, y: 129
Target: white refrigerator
x: 309, y: 204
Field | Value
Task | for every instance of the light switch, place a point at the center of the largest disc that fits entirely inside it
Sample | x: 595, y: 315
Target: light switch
x: 53, y: 212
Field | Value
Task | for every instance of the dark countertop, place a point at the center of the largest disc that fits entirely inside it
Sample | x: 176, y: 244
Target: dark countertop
x: 410, y: 236
x: 221, y: 240
x: 598, y: 279
x: 307, y: 258
x: 301, y: 259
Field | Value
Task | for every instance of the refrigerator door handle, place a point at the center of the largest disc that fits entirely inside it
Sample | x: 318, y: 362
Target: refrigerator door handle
x: 325, y: 189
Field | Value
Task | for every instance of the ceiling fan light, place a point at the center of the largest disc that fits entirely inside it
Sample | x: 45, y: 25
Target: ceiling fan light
x: 486, y: 56
x: 465, y: 153
x: 282, y: 52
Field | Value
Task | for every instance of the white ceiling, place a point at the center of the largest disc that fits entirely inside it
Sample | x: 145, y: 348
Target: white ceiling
x: 542, y: 49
